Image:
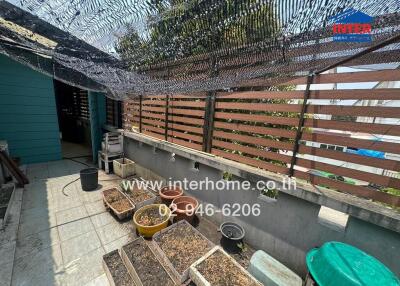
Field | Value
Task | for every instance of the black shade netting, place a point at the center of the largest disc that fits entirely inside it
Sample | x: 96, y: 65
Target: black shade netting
x: 133, y: 47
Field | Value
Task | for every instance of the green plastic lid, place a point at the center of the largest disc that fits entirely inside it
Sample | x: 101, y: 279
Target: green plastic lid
x: 336, y: 263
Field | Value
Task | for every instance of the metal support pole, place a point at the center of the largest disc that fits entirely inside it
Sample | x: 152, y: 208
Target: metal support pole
x: 310, y: 80
x: 140, y: 113
x: 166, y: 117
x: 209, y: 121
x: 209, y: 111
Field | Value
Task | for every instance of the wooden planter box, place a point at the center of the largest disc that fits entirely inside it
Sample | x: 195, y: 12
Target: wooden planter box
x: 200, y: 280
x: 121, y: 215
x: 162, y: 278
x: 116, y: 272
x: 179, y: 277
x: 124, y: 167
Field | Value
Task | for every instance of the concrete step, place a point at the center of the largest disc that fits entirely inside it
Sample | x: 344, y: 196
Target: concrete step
x: 115, y: 269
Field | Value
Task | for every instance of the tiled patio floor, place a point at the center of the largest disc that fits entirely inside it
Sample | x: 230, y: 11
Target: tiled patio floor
x: 63, y: 235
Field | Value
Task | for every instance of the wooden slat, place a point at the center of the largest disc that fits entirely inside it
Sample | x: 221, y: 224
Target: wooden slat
x: 258, y: 118
x: 384, y: 93
x: 153, y: 115
x: 352, y: 158
x: 189, y: 120
x: 254, y: 140
x: 350, y: 189
x: 259, y: 106
x: 367, y: 76
x: 261, y: 95
x: 175, y: 103
x: 192, y: 145
x: 154, y: 122
x: 185, y: 136
x: 372, y: 128
x: 190, y: 112
x: 252, y: 151
x: 256, y: 129
x: 187, y: 103
x: 198, y: 130
x: 350, y: 173
x: 364, y: 94
x: 352, y: 142
x: 153, y: 109
x: 153, y: 134
x: 152, y: 128
x: 369, y: 111
x: 252, y: 162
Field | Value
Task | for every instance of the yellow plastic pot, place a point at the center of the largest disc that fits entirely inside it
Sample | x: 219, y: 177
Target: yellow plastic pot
x: 149, y: 231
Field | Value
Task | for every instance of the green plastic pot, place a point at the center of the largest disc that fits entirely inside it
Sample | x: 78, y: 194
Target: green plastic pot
x: 337, y: 263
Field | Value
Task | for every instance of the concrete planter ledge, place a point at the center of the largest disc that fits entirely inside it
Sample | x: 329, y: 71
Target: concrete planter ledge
x: 357, y: 207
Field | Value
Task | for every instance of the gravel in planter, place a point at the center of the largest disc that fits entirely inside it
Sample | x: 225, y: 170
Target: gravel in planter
x: 144, y: 266
x: 219, y: 270
x: 116, y: 270
x: 138, y: 195
x: 151, y: 217
x: 182, y: 244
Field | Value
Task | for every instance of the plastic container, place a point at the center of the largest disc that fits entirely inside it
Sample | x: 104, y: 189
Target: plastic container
x: 270, y: 271
x: 179, y: 278
x: 168, y: 194
x: 149, y: 231
x: 89, y: 179
x: 337, y: 263
x: 184, y: 208
x: 124, y: 167
x: 121, y: 215
x: 131, y: 269
x: 232, y: 236
x: 200, y: 280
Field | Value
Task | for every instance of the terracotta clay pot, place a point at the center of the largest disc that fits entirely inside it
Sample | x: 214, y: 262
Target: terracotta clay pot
x: 168, y: 194
x: 184, y: 208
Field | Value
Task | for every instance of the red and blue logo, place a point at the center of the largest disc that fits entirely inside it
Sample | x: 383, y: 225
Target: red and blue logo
x: 352, y: 26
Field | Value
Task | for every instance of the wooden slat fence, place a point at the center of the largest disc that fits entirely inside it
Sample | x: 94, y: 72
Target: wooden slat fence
x: 341, y: 130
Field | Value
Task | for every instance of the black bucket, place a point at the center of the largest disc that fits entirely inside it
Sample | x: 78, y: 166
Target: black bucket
x: 89, y: 179
x: 232, y: 236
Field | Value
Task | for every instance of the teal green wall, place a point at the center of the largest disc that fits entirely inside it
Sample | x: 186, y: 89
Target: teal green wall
x: 97, y: 107
x: 28, y: 116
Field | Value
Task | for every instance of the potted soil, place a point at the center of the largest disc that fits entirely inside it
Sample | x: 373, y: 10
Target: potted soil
x: 143, y: 265
x: 217, y: 268
x: 118, y: 203
x: 180, y: 245
x: 184, y: 208
x: 124, y: 167
x: 169, y: 193
x: 139, y: 197
x: 151, y: 219
x: 115, y: 269
x: 232, y: 236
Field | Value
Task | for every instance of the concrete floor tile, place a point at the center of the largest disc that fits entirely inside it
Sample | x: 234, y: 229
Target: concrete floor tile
x: 71, y: 215
x: 66, y: 202
x: 6, y: 274
x: 7, y: 251
x: 41, y: 268
x: 90, y: 265
x: 75, y: 228
x: 8, y: 234
x: 111, y: 232
x: 102, y: 219
x: 95, y: 208
x: 77, y: 247
x: 32, y: 225
x: 36, y: 242
x: 117, y: 244
x: 102, y: 280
